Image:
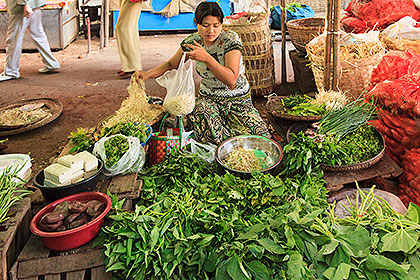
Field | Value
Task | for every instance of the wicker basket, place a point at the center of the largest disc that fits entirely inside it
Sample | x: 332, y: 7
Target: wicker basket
x: 354, y: 76
x: 258, y: 54
x: 302, y: 31
x: 400, y: 44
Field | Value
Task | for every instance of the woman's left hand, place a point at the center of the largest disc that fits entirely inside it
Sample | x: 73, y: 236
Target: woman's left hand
x: 197, y: 52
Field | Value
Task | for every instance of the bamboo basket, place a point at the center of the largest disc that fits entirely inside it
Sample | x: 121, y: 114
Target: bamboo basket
x: 302, y: 31
x: 400, y: 44
x: 354, y: 74
x: 258, y: 54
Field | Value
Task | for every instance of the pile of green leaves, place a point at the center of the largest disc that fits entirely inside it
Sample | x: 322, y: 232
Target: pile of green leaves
x: 303, y: 153
x: 374, y: 242
x: 128, y: 129
x: 301, y: 105
x: 115, y: 148
x: 193, y: 224
x: 83, y: 140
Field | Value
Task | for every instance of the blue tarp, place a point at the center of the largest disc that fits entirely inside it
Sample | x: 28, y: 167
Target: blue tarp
x: 304, y: 12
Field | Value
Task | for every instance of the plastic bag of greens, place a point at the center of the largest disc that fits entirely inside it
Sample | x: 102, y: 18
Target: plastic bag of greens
x: 120, y: 154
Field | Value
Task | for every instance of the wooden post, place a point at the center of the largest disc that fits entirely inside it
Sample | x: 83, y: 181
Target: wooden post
x: 88, y: 33
x: 283, y: 41
x: 327, y: 58
x: 106, y: 19
x: 336, y: 46
x: 101, y: 30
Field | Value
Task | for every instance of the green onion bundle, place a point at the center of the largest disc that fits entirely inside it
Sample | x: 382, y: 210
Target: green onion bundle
x: 347, y: 119
x: 10, y: 191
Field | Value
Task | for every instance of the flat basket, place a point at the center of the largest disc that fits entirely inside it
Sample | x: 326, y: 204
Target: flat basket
x: 302, y: 31
x: 400, y: 44
x: 274, y: 106
x: 258, y: 54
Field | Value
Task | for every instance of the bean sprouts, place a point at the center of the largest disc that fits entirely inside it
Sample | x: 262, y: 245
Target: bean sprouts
x: 179, y: 105
x: 243, y: 160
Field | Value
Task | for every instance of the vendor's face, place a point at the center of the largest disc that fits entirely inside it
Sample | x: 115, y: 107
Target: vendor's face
x: 209, y: 29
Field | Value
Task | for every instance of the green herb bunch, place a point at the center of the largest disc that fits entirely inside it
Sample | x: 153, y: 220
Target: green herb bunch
x: 128, y: 129
x: 11, y: 191
x: 115, y: 148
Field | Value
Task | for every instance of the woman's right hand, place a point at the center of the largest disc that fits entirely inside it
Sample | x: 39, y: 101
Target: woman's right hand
x: 141, y: 75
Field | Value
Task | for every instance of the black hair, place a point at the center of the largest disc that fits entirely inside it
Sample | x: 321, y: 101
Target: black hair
x: 207, y: 9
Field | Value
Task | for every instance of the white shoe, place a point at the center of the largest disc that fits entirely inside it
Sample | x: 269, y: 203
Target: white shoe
x: 4, y: 77
x: 47, y: 70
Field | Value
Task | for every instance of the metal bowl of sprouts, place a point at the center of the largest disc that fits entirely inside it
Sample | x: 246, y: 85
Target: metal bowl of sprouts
x: 245, y: 154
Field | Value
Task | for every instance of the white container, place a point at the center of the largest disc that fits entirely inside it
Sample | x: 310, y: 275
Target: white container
x: 12, y: 162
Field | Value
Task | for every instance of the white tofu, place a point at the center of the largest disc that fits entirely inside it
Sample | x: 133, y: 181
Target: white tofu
x: 48, y: 183
x: 89, y: 174
x: 90, y: 161
x: 71, y: 162
x: 77, y: 176
x: 57, y: 173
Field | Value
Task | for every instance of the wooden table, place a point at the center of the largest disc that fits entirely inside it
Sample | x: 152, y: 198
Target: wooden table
x: 385, y: 168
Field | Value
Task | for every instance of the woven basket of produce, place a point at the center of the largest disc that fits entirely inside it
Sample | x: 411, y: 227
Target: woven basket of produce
x: 302, y: 31
x: 258, y: 54
x: 400, y: 44
x: 356, y: 64
x: 277, y: 107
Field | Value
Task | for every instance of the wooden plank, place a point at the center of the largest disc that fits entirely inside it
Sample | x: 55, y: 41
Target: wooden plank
x: 58, y: 264
x: 134, y: 194
x: 98, y: 273
x: 9, y: 249
x: 122, y: 183
x: 76, y: 275
x: 34, y: 249
x: 385, y: 168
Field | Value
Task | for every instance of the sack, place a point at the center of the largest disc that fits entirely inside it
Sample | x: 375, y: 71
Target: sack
x: 300, y: 12
x: 165, y: 142
x: 179, y: 84
x: 132, y: 161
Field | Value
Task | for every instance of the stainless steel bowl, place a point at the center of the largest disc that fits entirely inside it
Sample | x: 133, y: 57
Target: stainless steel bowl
x: 272, y: 150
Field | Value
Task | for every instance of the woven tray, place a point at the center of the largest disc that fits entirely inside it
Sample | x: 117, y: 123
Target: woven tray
x: 54, y: 106
x: 274, y: 105
x: 336, y: 168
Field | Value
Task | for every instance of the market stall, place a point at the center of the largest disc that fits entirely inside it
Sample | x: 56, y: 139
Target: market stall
x: 60, y: 20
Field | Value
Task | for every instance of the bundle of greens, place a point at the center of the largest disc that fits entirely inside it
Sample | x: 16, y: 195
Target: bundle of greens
x: 301, y: 105
x: 349, y: 118
x: 115, y: 148
x: 128, y: 129
x: 11, y: 191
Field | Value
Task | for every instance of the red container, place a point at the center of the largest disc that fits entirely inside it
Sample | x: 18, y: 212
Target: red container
x: 76, y: 237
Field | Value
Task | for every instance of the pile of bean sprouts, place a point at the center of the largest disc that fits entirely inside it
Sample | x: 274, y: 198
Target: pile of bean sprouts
x: 242, y: 159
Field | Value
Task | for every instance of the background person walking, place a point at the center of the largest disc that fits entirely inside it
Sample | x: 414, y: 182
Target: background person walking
x: 25, y: 14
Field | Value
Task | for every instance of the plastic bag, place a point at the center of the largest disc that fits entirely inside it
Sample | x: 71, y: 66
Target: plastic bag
x: 206, y: 152
x: 404, y: 28
x: 132, y: 161
x: 179, y: 84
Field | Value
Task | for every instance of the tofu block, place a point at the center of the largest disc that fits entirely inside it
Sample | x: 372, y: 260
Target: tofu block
x: 71, y: 162
x: 89, y: 174
x: 57, y: 173
x: 48, y: 183
x: 77, y: 176
x: 90, y: 161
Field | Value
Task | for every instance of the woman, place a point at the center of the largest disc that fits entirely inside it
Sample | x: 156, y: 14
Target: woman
x: 224, y: 108
x: 127, y: 34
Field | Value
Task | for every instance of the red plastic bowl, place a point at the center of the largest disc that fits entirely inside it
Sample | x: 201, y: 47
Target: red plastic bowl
x: 76, y: 237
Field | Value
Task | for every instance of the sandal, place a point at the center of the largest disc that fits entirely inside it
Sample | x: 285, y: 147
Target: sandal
x: 125, y: 75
